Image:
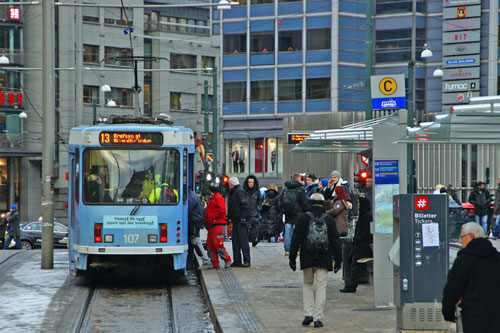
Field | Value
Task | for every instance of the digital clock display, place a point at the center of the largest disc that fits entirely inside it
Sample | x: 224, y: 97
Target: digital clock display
x: 131, y: 138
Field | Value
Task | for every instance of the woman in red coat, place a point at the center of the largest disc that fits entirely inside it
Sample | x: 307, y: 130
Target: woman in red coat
x: 215, y: 220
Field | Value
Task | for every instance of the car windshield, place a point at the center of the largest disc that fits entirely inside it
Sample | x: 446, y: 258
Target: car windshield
x: 124, y: 176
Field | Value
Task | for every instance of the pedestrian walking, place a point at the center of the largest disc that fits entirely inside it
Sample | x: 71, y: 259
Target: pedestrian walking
x: 13, y: 228
x: 340, y: 210
x: 215, y: 220
x: 311, y: 185
x: 496, y: 212
x: 251, y: 188
x: 238, y: 214
x: 473, y: 283
x: 361, y: 245
x: 272, y: 219
x: 317, y: 239
x: 195, y: 224
x: 292, y: 202
x: 3, y: 229
x: 480, y: 197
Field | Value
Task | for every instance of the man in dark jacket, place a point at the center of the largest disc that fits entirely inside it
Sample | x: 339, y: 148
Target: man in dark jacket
x: 14, y: 229
x: 473, y: 280
x: 3, y: 229
x: 495, y: 222
x: 452, y: 191
x: 238, y: 214
x: 361, y: 245
x: 315, y: 265
x: 251, y: 188
x: 195, y: 224
x: 292, y: 210
x: 481, y: 199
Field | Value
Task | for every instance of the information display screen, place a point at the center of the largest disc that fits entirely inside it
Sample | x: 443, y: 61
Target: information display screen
x: 130, y: 138
x: 294, y: 138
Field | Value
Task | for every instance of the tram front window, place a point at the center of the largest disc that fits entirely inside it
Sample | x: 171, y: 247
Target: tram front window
x: 121, y: 176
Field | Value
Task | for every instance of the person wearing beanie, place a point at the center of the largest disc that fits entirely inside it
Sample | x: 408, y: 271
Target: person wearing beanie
x: 315, y: 265
x: 14, y: 229
x: 322, y: 185
x: 336, y: 179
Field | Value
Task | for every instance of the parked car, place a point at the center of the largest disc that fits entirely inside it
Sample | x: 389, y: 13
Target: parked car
x: 31, y: 235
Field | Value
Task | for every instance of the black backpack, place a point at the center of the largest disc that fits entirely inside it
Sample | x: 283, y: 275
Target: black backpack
x: 289, y: 203
x: 317, y: 238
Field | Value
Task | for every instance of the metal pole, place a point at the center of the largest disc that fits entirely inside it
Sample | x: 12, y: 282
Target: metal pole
x: 79, y: 65
x: 137, y: 90
x: 205, y: 106
x: 94, y: 111
x: 215, y: 120
x: 410, y: 123
x: 368, y: 59
x: 48, y: 135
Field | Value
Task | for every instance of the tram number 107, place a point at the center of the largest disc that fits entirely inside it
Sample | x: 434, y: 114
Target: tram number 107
x: 130, y: 238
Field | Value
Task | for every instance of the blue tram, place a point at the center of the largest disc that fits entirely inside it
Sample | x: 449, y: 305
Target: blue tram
x: 128, y: 186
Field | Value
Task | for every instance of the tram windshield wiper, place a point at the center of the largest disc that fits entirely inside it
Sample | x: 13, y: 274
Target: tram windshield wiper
x: 136, y: 208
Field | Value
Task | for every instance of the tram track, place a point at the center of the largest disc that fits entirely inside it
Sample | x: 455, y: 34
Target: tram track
x: 128, y: 309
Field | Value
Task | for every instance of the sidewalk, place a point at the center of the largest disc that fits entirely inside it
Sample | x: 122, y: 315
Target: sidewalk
x: 267, y: 297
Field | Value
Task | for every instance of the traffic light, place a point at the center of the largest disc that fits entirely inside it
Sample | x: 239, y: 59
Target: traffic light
x: 225, y: 186
x: 360, y: 179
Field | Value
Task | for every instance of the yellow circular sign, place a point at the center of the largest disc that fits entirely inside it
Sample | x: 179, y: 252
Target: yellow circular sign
x: 388, y: 86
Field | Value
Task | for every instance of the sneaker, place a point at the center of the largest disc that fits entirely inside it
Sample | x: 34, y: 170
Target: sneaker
x: 347, y: 290
x: 227, y: 264
x: 206, y: 262
x: 318, y: 323
x: 235, y: 264
x: 245, y: 265
x: 307, y: 321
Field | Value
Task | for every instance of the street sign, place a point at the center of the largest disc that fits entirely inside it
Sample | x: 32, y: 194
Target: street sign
x: 462, y: 48
x: 451, y: 3
x: 364, y: 160
x: 462, y: 24
x: 462, y: 36
x: 461, y: 12
x: 388, y: 92
x: 464, y: 85
x: 461, y: 61
x: 461, y: 73
x: 458, y: 97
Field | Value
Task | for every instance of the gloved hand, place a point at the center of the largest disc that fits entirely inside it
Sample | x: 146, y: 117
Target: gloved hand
x: 337, y: 268
x: 293, y: 265
x: 449, y: 316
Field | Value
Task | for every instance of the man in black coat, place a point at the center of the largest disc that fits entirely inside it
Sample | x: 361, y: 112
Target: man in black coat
x: 481, y: 199
x: 296, y: 189
x: 195, y: 224
x: 251, y: 188
x: 315, y: 265
x: 473, y: 280
x: 361, y: 245
x: 238, y: 214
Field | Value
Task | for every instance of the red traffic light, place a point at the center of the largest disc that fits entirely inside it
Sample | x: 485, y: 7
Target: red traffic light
x: 363, y: 175
x: 225, y: 180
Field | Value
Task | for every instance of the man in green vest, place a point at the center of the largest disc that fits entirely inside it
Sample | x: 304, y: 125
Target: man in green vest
x: 171, y: 195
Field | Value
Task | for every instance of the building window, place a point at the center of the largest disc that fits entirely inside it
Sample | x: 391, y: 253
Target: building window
x: 318, y: 88
x: 90, y: 94
x: 235, y: 43
x: 207, y: 62
x: 318, y: 39
x: 203, y: 27
x: 260, y: 2
x: 262, y: 42
x: 119, y: 16
x: 91, y: 54
x: 290, y: 90
x: 182, y: 24
x: 122, y: 96
x: 235, y: 92
x: 90, y: 14
x: 290, y: 40
x: 117, y: 56
x: 391, y: 6
x: 183, y: 102
x: 393, y: 45
x: 262, y: 91
x: 9, y: 81
x: 182, y: 61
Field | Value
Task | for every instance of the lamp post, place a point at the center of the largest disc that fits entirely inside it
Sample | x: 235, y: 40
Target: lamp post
x: 410, y: 121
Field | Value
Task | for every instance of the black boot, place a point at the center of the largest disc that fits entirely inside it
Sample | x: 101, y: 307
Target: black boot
x: 318, y: 323
x: 347, y: 289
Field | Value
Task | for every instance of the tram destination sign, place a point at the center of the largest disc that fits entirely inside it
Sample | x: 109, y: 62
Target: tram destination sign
x: 131, y: 138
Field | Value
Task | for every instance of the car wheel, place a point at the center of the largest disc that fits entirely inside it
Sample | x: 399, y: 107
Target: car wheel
x: 27, y: 245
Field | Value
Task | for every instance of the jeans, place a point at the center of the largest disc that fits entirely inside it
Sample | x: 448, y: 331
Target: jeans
x: 496, y: 227
x: 9, y: 239
x: 289, y: 228
x: 482, y: 220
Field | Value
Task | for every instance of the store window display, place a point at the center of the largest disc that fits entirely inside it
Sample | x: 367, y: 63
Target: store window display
x: 259, y: 156
x: 238, y: 158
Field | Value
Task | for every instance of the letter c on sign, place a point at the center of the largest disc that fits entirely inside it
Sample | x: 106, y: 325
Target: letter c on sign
x: 388, y: 86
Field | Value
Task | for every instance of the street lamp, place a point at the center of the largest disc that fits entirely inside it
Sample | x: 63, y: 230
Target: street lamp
x: 4, y: 60
x: 438, y: 72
